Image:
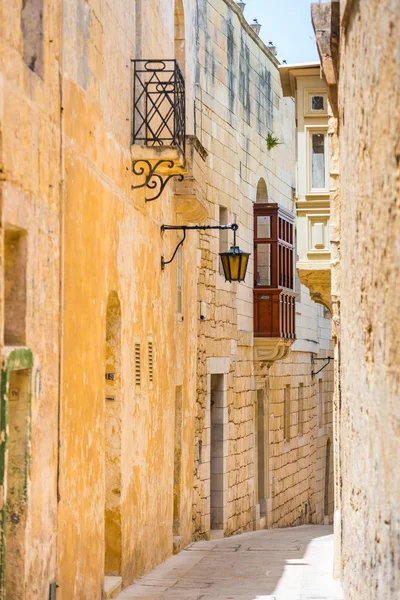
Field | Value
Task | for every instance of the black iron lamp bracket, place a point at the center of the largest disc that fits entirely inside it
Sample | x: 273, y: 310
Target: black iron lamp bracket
x: 233, y: 226
x: 314, y: 360
x: 152, y: 179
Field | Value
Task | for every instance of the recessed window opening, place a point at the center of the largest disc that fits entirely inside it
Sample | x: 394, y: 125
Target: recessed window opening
x: 15, y: 265
x: 262, y: 191
x: 179, y: 34
x: 179, y: 282
x: 317, y: 103
x: 223, y: 235
x: 286, y: 412
x: 32, y: 34
x: 301, y: 409
x: 318, y: 166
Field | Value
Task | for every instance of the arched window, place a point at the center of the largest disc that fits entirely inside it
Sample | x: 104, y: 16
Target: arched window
x: 262, y: 191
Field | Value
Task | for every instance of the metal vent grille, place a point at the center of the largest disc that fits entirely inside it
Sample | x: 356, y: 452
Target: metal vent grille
x: 151, y: 366
x: 138, y: 373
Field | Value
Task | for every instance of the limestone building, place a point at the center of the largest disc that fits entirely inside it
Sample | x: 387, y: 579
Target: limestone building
x: 359, y: 47
x: 130, y: 424
x: 263, y: 447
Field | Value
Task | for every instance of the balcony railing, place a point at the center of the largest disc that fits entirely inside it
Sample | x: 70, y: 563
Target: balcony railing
x: 158, y: 104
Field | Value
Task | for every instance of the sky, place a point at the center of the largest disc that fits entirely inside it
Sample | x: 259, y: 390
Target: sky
x: 287, y: 23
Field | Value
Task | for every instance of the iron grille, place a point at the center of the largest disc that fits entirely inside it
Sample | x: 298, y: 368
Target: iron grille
x: 158, y: 103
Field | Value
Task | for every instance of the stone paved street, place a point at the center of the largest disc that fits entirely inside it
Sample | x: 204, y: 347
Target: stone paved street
x: 278, y: 564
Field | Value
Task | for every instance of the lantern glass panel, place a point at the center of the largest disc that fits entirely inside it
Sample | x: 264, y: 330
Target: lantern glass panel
x: 225, y: 265
x: 234, y: 262
x: 243, y: 265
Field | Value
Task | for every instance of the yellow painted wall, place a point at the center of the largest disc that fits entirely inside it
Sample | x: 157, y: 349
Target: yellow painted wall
x: 30, y: 203
x: 113, y: 243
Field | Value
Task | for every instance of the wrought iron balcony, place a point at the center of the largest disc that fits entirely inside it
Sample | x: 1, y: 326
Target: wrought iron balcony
x: 158, y: 104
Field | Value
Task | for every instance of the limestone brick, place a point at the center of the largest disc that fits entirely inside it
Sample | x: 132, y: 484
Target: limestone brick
x: 365, y: 272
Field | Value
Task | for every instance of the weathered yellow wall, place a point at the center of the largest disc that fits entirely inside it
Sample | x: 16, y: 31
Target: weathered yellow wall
x: 113, y: 243
x: 30, y: 201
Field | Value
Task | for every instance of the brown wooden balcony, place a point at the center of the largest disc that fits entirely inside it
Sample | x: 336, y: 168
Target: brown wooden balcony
x: 274, y: 295
x: 274, y: 313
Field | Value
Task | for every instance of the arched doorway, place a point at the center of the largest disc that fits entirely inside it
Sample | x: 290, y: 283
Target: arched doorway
x: 112, y: 512
x: 179, y: 34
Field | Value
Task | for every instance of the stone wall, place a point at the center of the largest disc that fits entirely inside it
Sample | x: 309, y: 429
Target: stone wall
x: 366, y: 284
x: 297, y: 467
x: 238, y: 100
x: 30, y: 207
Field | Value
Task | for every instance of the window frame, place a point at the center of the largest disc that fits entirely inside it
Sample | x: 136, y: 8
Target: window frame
x: 282, y: 243
x: 314, y: 130
x: 308, y: 94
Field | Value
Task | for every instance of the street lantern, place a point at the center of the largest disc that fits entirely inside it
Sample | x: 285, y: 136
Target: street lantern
x: 234, y: 262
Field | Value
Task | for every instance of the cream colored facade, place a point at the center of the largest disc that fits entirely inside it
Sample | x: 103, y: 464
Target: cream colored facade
x: 304, y: 83
x: 124, y: 396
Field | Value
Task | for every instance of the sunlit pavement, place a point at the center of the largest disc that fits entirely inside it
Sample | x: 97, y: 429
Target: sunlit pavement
x: 277, y: 564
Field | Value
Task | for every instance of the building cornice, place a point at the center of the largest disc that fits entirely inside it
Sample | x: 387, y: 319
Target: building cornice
x: 256, y: 38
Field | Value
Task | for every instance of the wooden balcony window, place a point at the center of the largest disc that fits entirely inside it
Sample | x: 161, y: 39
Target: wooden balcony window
x: 274, y: 296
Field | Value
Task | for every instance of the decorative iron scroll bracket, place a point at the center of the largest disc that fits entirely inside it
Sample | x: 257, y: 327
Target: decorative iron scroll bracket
x: 152, y: 179
x: 313, y: 360
x: 234, y: 227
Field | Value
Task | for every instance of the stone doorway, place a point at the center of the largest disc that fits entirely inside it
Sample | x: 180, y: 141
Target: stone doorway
x: 177, y: 469
x: 219, y: 421
x: 113, y: 485
x: 14, y: 469
x: 327, y: 481
x: 262, y: 453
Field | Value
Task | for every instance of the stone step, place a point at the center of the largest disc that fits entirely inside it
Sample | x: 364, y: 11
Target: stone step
x: 111, y: 587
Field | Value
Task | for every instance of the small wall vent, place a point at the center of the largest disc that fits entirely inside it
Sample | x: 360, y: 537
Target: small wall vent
x: 138, y: 373
x: 151, y: 361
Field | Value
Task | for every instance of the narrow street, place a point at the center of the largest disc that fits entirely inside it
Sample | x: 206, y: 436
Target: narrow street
x: 278, y: 564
